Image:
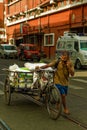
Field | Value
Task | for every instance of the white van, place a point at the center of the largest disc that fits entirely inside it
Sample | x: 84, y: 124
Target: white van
x: 77, y: 47
x: 8, y: 51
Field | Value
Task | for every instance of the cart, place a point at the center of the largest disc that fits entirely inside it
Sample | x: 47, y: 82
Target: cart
x: 36, y: 86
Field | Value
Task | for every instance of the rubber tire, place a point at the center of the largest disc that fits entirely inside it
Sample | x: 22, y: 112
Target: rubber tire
x: 54, y: 103
x: 78, y: 65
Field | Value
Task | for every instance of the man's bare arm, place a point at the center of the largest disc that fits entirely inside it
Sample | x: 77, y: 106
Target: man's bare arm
x: 70, y: 68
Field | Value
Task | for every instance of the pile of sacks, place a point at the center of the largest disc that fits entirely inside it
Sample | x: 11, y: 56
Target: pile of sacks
x: 24, y: 77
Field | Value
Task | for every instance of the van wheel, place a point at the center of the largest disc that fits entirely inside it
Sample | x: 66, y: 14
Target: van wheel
x: 78, y: 64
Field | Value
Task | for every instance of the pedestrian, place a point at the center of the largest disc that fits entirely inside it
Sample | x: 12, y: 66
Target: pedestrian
x: 21, y: 54
x: 64, y: 69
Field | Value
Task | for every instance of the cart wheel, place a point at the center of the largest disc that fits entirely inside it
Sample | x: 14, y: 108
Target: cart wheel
x: 7, y: 91
x: 54, y: 104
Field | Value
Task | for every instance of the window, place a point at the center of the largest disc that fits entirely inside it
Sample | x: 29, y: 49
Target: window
x: 1, y: 47
x: 61, y: 45
x: 67, y: 2
x: 62, y: 3
x: 69, y: 45
x: 73, y: 1
x: 83, y: 45
x: 31, y: 48
x: 11, y: 41
x: 9, y: 47
x: 49, y: 39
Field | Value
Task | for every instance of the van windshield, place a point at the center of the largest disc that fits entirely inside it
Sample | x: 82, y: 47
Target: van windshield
x: 30, y: 48
x: 9, y: 47
x: 83, y: 45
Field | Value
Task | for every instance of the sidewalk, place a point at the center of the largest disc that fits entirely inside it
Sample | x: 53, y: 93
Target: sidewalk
x: 82, y: 74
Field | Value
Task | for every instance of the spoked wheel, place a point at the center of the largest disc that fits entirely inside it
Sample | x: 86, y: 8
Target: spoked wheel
x: 54, y: 104
x: 7, y: 91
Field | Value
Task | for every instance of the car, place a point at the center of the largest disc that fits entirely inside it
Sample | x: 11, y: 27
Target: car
x: 28, y: 52
x: 8, y: 51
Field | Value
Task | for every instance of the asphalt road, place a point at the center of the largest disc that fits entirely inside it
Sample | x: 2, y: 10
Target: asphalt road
x: 23, y: 114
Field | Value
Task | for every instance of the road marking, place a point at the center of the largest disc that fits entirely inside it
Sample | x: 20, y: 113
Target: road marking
x: 75, y: 87
x: 80, y: 80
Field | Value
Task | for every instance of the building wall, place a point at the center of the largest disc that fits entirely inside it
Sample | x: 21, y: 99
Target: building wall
x: 55, y: 18
x: 1, y: 15
x: 2, y: 31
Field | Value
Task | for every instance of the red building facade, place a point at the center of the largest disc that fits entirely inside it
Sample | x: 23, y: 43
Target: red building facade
x: 2, y: 31
x: 41, y: 22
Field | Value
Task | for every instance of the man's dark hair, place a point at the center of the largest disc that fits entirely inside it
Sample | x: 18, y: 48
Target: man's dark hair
x: 65, y: 52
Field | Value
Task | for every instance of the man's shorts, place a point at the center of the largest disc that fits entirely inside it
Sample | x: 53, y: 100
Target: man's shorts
x: 62, y: 89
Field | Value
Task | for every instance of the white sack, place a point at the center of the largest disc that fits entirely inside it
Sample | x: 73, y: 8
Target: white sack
x: 13, y: 67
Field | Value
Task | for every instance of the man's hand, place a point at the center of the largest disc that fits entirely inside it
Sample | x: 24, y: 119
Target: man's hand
x: 69, y: 64
x: 37, y: 68
x: 70, y: 68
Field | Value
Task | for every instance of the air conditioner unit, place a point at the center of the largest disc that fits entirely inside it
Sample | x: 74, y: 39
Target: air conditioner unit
x: 22, y: 13
x: 52, y: 2
x: 39, y: 8
x: 13, y: 16
x: 9, y: 18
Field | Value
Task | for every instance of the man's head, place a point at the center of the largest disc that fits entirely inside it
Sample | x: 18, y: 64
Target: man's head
x: 65, y: 56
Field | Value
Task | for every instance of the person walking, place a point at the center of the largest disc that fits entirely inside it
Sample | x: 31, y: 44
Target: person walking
x: 21, y: 54
x: 64, y: 69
